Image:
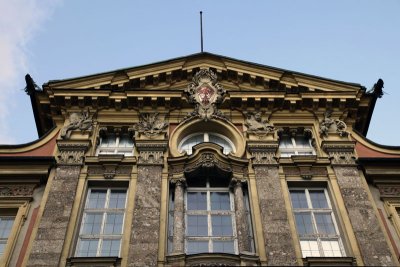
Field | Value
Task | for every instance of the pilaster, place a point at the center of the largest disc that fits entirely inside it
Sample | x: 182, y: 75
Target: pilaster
x: 277, y: 236
x: 370, y: 237
x: 144, y: 242
x: 47, y: 247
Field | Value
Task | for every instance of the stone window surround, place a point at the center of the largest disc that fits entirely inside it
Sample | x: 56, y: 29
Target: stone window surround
x: 19, y: 208
x: 117, y: 131
x: 330, y: 209
x: 105, y: 186
x: 293, y: 131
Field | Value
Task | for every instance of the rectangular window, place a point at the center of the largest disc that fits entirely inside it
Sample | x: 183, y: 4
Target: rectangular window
x: 295, y: 145
x: 115, y: 144
x: 210, y: 220
x: 6, y: 224
x: 102, y: 223
x: 315, y: 222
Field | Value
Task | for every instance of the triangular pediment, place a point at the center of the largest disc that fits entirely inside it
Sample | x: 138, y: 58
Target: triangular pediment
x: 173, y: 74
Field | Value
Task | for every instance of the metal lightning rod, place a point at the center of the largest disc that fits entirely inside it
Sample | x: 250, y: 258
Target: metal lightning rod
x: 201, y: 30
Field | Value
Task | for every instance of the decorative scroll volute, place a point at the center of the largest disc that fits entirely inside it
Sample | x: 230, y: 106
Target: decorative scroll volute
x: 329, y: 125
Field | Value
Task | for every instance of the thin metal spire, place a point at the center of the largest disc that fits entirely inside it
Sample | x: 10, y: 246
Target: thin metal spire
x: 201, y: 30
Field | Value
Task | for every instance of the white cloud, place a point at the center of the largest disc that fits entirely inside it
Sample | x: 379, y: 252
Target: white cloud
x: 20, y: 21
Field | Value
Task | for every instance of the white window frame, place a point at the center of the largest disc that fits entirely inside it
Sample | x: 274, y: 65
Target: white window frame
x: 210, y: 238
x: 319, y: 238
x: 116, y: 149
x: 296, y: 150
x: 105, y: 210
x: 206, y: 138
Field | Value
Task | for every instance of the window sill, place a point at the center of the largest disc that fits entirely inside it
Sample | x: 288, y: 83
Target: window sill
x: 329, y: 261
x: 213, y: 259
x: 97, y: 261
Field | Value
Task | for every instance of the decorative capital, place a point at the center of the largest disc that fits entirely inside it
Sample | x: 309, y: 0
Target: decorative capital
x: 77, y: 121
x: 263, y: 153
x: 206, y: 93
x: 179, y: 181
x: 151, y: 152
x: 150, y: 125
x: 235, y: 182
x: 340, y: 152
x: 72, y: 152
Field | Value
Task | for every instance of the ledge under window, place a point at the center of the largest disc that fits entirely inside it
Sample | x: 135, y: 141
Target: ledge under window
x: 94, y: 261
x: 329, y: 261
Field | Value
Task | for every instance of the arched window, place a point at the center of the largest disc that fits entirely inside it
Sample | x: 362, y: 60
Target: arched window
x: 188, y: 142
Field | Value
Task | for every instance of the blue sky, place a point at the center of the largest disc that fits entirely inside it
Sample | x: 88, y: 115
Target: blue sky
x: 353, y: 41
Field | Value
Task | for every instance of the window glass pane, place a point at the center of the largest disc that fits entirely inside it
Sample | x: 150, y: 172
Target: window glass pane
x: 192, y: 141
x: 88, y: 248
x: 223, y: 246
x: 222, y: 142
x: 117, y: 199
x: 110, y: 247
x: 113, y: 223
x: 324, y: 223
x: 299, y: 200
x: 92, y: 223
x: 97, y: 199
x: 196, y: 246
x: 125, y: 141
x: 318, y: 199
x: 302, y: 142
x: 6, y: 224
x: 197, y: 225
x: 285, y: 142
x: 309, y: 248
x: 108, y: 141
x: 197, y: 201
x: 2, y: 247
x: 304, y: 223
x: 221, y: 225
x: 220, y: 201
x: 331, y: 248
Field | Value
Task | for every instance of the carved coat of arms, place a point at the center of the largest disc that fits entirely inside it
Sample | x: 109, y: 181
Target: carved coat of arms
x: 205, y: 92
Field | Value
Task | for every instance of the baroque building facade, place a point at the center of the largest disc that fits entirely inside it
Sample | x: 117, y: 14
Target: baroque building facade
x: 202, y: 160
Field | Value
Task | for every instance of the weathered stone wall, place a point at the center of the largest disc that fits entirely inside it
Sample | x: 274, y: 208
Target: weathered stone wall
x: 277, y: 235
x: 48, y: 244
x: 143, y: 250
x: 370, y: 237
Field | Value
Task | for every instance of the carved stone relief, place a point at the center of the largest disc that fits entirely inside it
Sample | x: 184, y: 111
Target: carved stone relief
x: 151, y: 152
x: 329, y: 125
x: 16, y: 190
x: 256, y: 125
x: 207, y: 160
x: 206, y: 93
x: 77, y: 121
x: 150, y: 124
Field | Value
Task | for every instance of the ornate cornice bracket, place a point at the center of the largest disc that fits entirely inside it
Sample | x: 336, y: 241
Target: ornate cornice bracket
x: 340, y: 152
x: 263, y: 153
x: 151, y: 152
x: 72, y: 152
